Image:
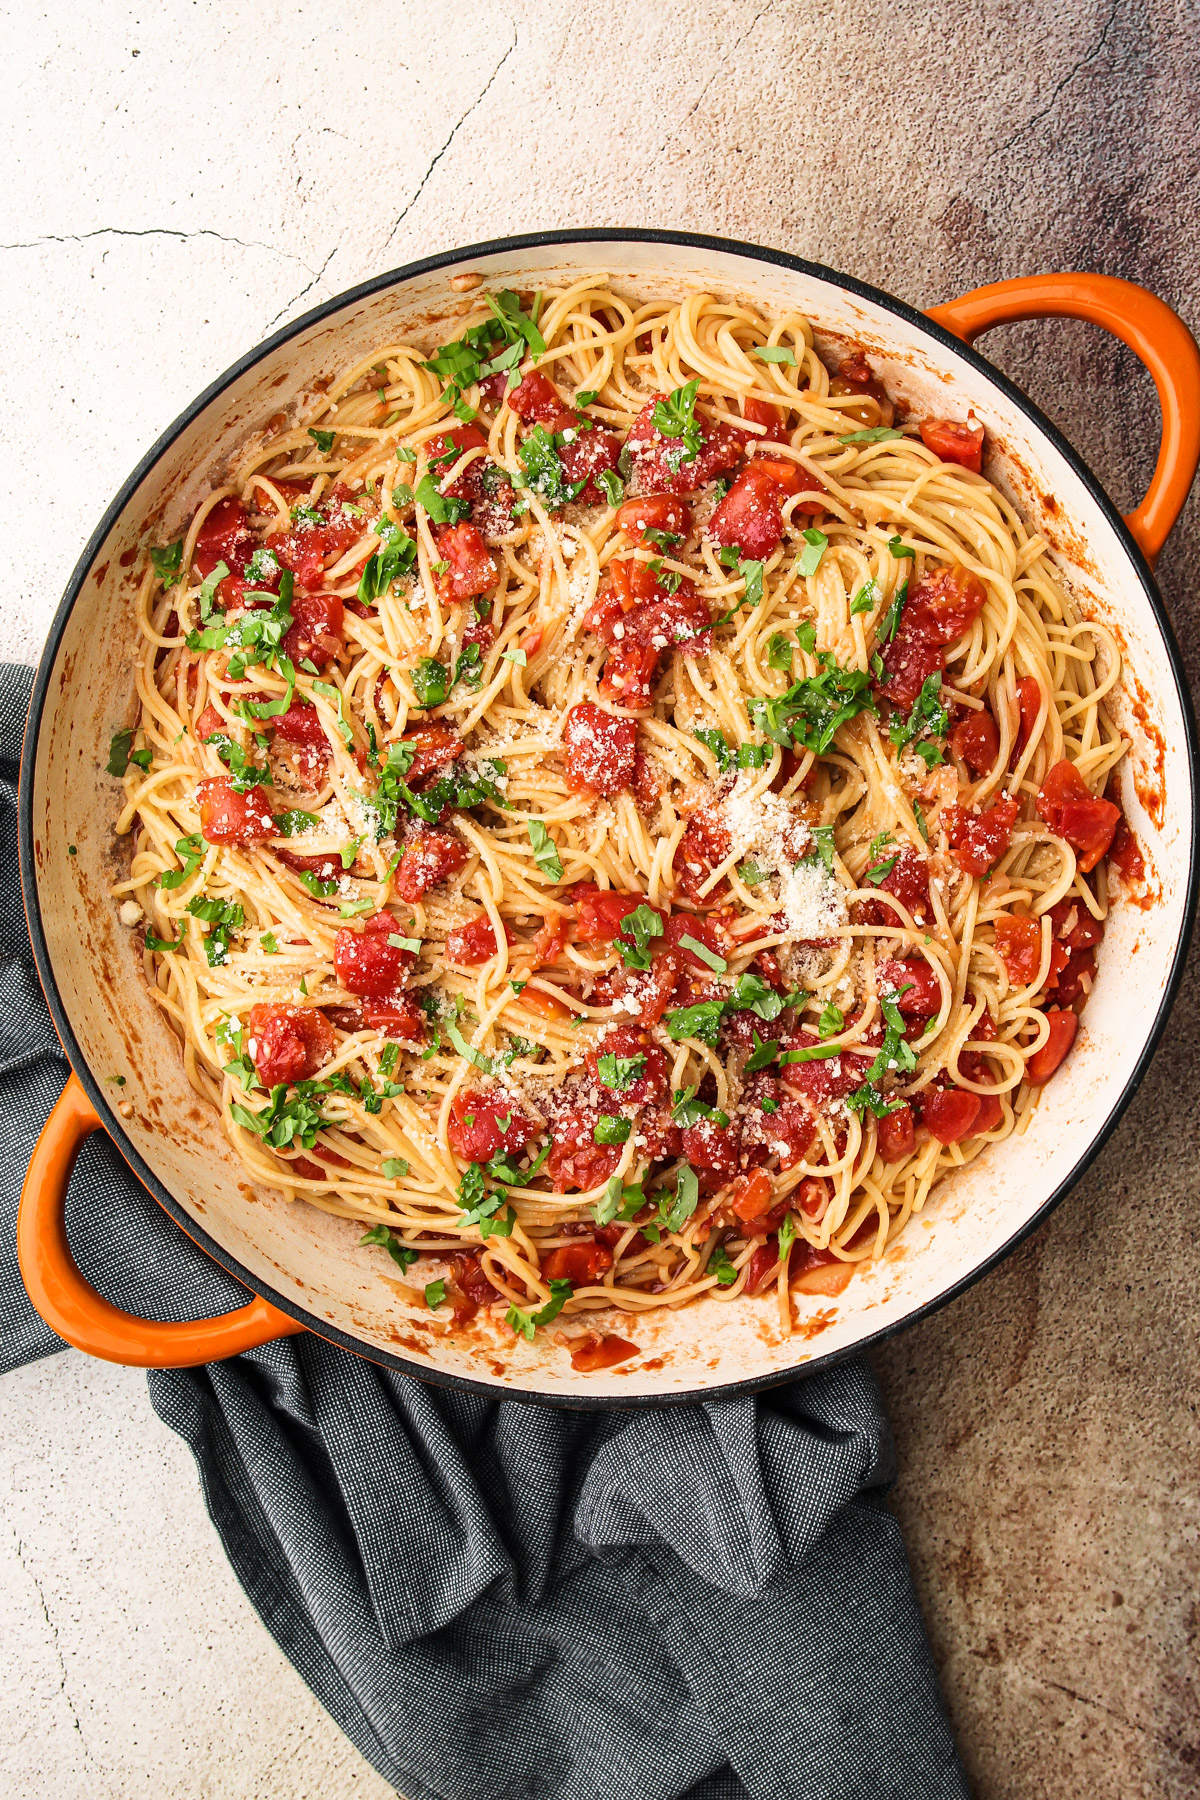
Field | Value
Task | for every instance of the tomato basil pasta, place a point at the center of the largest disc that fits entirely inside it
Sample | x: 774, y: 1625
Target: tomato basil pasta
x: 617, y: 806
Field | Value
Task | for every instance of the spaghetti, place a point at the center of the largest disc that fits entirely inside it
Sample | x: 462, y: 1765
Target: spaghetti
x: 616, y: 810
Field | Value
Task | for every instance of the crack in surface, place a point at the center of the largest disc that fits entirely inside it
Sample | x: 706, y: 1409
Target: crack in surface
x: 698, y: 101
x: 1170, y: 1740
x: 453, y: 134
x: 296, y: 298
x: 184, y: 237
x: 1076, y: 69
x: 58, y: 1655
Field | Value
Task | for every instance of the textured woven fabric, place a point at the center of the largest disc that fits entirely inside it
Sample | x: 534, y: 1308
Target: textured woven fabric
x: 501, y: 1601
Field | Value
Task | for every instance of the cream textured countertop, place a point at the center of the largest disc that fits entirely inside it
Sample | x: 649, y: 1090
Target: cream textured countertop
x: 180, y: 179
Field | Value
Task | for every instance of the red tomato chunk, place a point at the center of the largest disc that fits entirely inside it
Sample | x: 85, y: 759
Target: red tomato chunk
x: 657, y: 459
x: 950, y: 1114
x: 227, y: 817
x: 600, y: 750
x: 428, y: 859
x: 581, y: 1263
x: 654, y: 512
x: 484, y: 1122
x: 288, y: 1043
x: 474, y: 943
x: 535, y: 400
x: 472, y: 568
x: 896, y: 1135
x: 939, y: 609
x: 1043, y: 1063
x: 975, y: 740
x: 365, y: 961
x: 316, y: 633
x: 955, y: 443
x: 1071, y: 812
x: 980, y: 839
x: 1019, y: 942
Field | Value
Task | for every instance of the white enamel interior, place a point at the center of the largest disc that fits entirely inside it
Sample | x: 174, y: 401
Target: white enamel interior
x: 313, y: 1261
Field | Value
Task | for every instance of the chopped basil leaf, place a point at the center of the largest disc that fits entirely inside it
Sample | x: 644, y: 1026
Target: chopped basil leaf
x: 640, y: 925
x: 526, y: 1323
x: 118, y: 751
x: 874, y: 434
x: 816, y: 544
x: 780, y: 651
x: 443, y: 509
x: 719, y: 1265
x: 545, y: 851
x: 775, y: 353
x: 831, y: 1021
x: 611, y: 1129
x: 674, y: 1215
x: 435, y: 1293
x: 430, y: 680
x: 166, y: 561
x: 620, y: 1072
x: 675, y: 417
x: 865, y: 600
x: 464, y: 1049
x: 899, y: 548
x: 811, y: 711
x: 707, y: 956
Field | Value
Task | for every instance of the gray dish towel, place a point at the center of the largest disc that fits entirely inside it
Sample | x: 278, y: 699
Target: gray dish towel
x: 504, y: 1601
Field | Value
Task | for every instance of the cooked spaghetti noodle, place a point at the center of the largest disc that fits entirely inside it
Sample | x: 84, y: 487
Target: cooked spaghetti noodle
x: 615, y: 810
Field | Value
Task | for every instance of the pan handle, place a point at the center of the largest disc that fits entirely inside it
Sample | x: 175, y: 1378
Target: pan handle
x: 71, y: 1306
x: 1152, y: 331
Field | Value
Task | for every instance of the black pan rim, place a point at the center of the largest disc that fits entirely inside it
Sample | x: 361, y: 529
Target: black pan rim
x: 514, y: 245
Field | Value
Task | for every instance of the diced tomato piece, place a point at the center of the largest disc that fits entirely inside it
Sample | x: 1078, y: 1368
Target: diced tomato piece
x: 1019, y: 941
x: 484, y: 1121
x: 855, y: 375
x: 1029, y: 705
x: 939, y: 609
x: 704, y: 845
x: 581, y: 1263
x: 813, y: 1196
x: 576, y: 1160
x: 591, y: 1353
x: 547, y: 946
x: 288, y: 1043
x: 716, y: 1148
x: 656, y: 459
x: 211, y: 721
x: 1043, y: 1062
x: 652, y: 988
x: 1075, y: 926
x: 428, y: 859
x: 435, y: 746
x: 702, y: 931
x: 1125, y: 855
x: 493, y: 390
x: 654, y: 512
x: 586, y: 453
x: 753, y: 1200
x: 325, y: 865
x: 472, y: 567
x: 762, y: 412
x: 955, y: 443
x: 980, y: 839
x: 949, y: 1114
x: 991, y: 1112
x: 826, y: 1078
x: 225, y: 537
x: 316, y: 633
x: 813, y: 1271
x: 365, y: 961
x: 1074, y: 977
x: 469, y: 1274
x: 1087, y: 824
x: 750, y: 516
x: 474, y: 943
x: 629, y: 674
x: 535, y: 399
x: 397, y: 1014
x: 626, y: 1042
x: 456, y: 441
x: 975, y: 740
x: 920, y: 994
x: 896, y: 1134
x: 793, y: 478
x: 601, y: 910
x: 763, y: 1268
x: 300, y: 724
x: 227, y: 817
x: 908, y: 880
x: 599, y: 750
